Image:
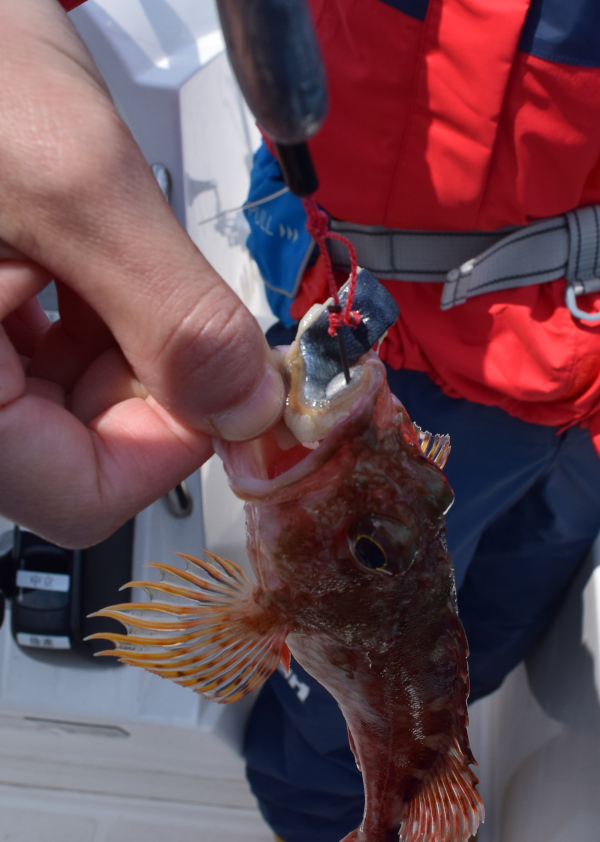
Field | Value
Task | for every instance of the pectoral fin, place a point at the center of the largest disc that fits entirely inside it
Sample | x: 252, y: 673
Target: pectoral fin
x: 202, y: 629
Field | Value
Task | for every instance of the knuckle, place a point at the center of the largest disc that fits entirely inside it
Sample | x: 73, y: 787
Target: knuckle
x: 218, y: 351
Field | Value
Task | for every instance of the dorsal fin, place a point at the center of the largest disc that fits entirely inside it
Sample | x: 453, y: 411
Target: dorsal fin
x: 435, y: 448
x: 448, y: 807
x: 204, y: 631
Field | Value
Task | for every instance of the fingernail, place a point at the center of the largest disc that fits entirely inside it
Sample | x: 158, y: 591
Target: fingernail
x: 138, y: 389
x: 32, y: 315
x: 257, y: 414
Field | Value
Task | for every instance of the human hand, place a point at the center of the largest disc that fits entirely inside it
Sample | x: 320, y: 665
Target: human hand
x: 109, y: 408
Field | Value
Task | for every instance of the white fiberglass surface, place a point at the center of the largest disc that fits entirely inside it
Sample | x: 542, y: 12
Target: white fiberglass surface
x: 537, y: 738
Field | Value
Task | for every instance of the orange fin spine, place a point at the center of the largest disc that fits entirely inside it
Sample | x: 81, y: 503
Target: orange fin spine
x: 202, y: 645
x: 131, y: 621
x: 209, y: 663
x: 202, y: 629
x: 202, y: 596
x: 435, y: 448
x: 233, y: 685
x: 131, y: 609
x: 173, y: 575
x: 230, y: 567
x: 448, y: 807
x: 286, y: 658
x: 208, y: 675
x: 157, y: 625
x: 189, y: 669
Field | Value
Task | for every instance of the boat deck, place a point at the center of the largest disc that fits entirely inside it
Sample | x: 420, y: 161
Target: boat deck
x: 58, y: 785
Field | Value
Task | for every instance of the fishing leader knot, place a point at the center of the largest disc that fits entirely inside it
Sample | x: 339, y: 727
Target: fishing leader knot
x: 317, y: 225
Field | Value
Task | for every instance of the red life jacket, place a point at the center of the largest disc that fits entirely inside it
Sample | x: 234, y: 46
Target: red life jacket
x: 450, y: 122
x: 461, y: 115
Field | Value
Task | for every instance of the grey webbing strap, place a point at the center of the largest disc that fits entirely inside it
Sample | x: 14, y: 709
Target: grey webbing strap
x: 393, y: 254
x: 475, y: 262
x: 583, y: 261
x: 532, y: 255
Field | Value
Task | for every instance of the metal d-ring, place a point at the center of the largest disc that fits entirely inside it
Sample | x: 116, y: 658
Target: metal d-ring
x: 179, y: 501
x: 571, y: 301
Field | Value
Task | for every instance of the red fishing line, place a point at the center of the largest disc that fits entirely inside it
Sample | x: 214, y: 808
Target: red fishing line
x: 317, y: 225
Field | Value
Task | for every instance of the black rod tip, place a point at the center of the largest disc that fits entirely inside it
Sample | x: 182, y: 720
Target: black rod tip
x: 297, y: 168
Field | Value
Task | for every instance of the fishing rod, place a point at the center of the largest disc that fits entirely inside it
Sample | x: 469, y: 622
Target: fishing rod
x: 275, y: 56
x: 274, y: 53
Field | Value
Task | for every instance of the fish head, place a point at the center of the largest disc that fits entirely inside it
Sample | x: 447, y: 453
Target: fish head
x: 342, y: 501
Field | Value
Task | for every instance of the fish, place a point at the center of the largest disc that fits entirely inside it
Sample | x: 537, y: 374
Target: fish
x: 345, y: 506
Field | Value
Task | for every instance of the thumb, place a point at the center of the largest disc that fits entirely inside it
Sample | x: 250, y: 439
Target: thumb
x: 191, y: 342
x: 84, y: 205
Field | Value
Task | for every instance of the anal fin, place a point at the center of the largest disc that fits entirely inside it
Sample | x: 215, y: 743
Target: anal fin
x: 202, y: 628
x: 448, y: 807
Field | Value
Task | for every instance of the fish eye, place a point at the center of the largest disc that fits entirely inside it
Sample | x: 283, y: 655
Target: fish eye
x: 383, y: 544
x: 369, y: 553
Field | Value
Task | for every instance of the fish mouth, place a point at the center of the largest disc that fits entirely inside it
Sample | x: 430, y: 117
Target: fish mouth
x: 269, y: 466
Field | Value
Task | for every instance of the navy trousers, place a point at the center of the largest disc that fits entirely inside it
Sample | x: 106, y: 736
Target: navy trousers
x: 527, y: 510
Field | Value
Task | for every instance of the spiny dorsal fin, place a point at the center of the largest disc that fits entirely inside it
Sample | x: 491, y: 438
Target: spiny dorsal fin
x: 435, y: 448
x: 202, y: 629
x: 448, y: 808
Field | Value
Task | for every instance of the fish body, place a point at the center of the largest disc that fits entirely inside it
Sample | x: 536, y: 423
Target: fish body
x: 353, y: 577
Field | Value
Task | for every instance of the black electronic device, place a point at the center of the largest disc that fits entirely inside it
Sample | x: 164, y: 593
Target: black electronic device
x: 53, y: 590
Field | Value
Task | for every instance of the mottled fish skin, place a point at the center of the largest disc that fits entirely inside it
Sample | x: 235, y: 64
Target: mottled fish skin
x: 346, y: 540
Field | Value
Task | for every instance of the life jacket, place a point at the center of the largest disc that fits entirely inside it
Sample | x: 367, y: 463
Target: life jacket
x: 460, y: 115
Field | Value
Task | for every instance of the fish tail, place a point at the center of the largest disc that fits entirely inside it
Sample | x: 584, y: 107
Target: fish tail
x: 202, y: 629
x: 448, y: 807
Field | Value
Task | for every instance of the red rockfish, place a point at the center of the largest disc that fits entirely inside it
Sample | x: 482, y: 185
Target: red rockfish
x: 345, y: 522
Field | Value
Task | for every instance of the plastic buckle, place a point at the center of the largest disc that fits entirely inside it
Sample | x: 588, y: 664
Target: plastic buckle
x: 572, y: 291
